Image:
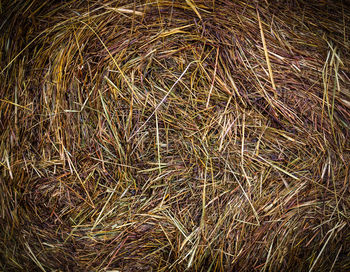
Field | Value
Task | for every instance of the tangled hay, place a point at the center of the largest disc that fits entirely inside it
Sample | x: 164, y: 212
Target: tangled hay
x: 175, y: 135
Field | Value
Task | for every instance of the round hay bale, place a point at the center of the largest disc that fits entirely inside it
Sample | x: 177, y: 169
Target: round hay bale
x: 175, y: 135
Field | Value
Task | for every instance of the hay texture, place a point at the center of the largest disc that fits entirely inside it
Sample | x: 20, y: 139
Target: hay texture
x: 174, y: 135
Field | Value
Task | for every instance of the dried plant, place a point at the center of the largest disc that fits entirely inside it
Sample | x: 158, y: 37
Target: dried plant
x: 174, y: 135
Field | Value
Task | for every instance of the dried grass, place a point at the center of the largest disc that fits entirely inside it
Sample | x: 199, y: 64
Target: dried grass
x: 174, y: 135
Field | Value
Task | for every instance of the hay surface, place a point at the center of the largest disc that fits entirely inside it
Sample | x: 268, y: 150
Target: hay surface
x: 174, y: 135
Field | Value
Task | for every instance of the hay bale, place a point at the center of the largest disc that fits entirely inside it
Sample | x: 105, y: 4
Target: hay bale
x: 174, y: 135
